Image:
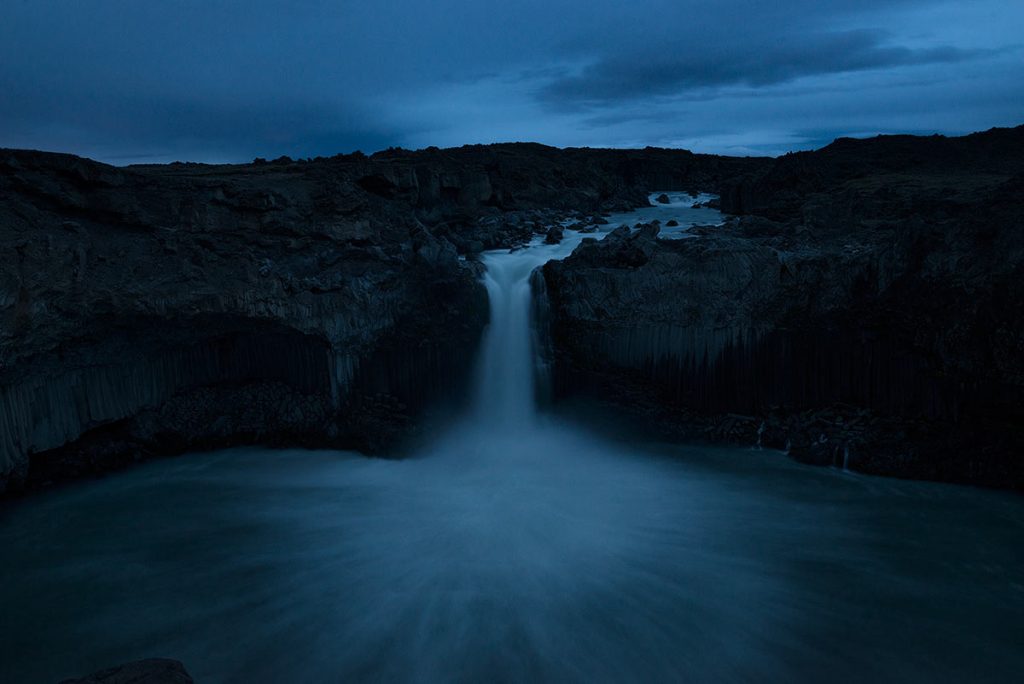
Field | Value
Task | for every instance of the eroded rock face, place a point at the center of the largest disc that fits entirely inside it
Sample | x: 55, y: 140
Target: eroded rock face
x: 179, y: 310
x: 877, y: 326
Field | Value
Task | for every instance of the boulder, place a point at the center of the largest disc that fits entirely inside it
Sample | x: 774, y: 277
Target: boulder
x: 150, y: 671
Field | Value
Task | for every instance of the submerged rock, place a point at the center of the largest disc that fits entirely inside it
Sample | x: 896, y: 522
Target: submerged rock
x: 554, y: 235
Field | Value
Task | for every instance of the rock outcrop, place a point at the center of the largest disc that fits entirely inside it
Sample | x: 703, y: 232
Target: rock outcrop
x: 864, y: 314
x: 152, y: 309
x: 151, y: 671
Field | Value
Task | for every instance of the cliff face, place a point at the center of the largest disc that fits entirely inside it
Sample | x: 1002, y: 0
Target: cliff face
x: 874, y: 323
x: 153, y: 309
x: 864, y: 309
x: 151, y: 313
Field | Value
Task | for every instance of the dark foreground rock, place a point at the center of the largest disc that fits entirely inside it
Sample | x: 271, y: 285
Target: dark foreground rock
x: 876, y: 325
x: 150, y: 310
x: 151, y: 671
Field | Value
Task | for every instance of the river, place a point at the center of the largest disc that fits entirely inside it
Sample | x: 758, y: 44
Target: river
x: 519, y: 546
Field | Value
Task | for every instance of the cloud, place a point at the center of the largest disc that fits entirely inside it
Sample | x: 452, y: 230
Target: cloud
x: 222, y: 80
x: 668, y: 71
x: 126, y: 127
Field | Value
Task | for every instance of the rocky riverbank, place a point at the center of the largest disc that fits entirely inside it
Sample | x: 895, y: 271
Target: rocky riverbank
x: 864, y: 312
x: 155, y: 309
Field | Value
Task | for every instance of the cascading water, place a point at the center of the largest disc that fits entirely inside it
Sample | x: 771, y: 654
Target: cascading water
x: 515, y: 548
x: 505, y: 394
x: 505, y: 391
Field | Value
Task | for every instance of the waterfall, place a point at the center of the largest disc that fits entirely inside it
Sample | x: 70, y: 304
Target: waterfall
x: 506, y: 386
x: 505, y: 397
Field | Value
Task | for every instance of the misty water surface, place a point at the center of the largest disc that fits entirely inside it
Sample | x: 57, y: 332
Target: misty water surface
x: 515, y: 547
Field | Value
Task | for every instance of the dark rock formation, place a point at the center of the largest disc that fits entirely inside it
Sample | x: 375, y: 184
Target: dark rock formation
x: 152, y: 309
x: 150, y: 671
x: 860, y: 169
x: 662, y: 199
x: 872, y: 320
x: 147, y: 314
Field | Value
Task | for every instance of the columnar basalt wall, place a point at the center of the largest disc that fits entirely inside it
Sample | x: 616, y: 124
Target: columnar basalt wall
x: 868, y: 319
x: 125, y: 376
x: 146, y: 313
x: 258, y: 383
x: 743, y: 371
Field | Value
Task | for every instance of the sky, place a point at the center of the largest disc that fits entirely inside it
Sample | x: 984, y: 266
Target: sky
x: 127, y: 81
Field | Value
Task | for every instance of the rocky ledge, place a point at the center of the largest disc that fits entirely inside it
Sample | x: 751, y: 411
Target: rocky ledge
x: 865, y: 312
x: 154, y: 309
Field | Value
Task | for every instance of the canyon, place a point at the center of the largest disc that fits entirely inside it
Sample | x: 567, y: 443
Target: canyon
x: 543, y: 378
x: 860, y: 307
x: 152, y: 310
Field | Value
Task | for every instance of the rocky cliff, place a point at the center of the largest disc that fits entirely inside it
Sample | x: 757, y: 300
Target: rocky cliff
x: 153, y: 309
x: 147, y: 313
x: 864, y: 312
